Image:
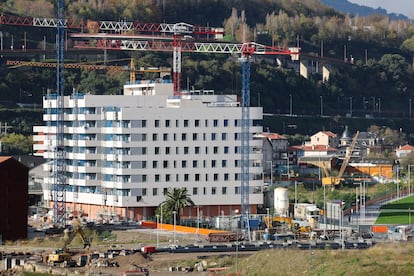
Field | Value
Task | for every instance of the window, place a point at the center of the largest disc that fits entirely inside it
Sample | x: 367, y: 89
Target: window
x: 224, y: 136
x: 185, y: 150
x: 167, y: 123
x: 186, y: 177
x: 183, y: 136
x: 164, y: 191
x: 236, y: 149
x: 177, y: 150
x: 195, y: 136
x: 213, y: 190
x: 206, y: 177
x: 197, y: 123
x: 237, y: 190
x: 165, y: 137
x: 236, y: 176
x: 144, y: 123
x: 177, y: 123
x: 167, y: 178
x: 224, y: 190
x: 167, y: 150
x: 154, y: 137
x: 165, y: 164
x: 154, y: 191
x: 144, y: 191
x: 195, y: 190
x: 157, y: 150
x: 226, y: 177
x: 197, y: 177
x: 154, y: 164
x: 183, y: 164
x: 213, y: 136
x: 213, y: 163
x: 206, y: 150
x: 236, y: 136
x: 215, y: 150
x: 206, y: 123
x: 157, y: 178
x: 197, y: 150
x: 157, y: 123
x: 236, y: 123
x: 204, y: 136
x: 185, y: 123
x: 177, y: 177
x: 224, y: 163
x: 204, y: 191
x: 226, y: 149
x: 195, y: 163
x: 226, y: 123
x: 215, y: 123
x: 216, y: 177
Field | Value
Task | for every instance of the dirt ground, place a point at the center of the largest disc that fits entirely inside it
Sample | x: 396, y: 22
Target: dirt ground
x: 157, y: 264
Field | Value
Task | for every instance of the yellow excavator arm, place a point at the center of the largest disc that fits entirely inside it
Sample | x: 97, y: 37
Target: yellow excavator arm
x: 76, y: 230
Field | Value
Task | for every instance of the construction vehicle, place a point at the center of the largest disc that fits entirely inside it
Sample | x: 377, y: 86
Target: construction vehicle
x: 225, y: 237
x: 336, y: 180
x: 273, y: 223
x: 63, y: 255
x: 307, y: 212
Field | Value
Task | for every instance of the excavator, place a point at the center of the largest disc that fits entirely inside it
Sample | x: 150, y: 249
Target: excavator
x: 336, y: 180
x: 63, y: 255
x: 273, y: 222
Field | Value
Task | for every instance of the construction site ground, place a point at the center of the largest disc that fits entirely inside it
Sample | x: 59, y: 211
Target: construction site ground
x: 157, y: 264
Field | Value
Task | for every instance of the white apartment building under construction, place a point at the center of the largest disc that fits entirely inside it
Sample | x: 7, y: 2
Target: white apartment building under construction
x: 124, y: 151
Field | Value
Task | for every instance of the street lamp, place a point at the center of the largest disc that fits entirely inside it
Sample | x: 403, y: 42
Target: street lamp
x: 158, y: 237
x: 175, y: 222
x: 296, y: 193
x: 409, y: 179
x: 271, y: 172
x: 198, y: 219
x: 161, y: 214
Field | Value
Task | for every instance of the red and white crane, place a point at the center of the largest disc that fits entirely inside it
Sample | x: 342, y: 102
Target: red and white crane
x: 176, y: 38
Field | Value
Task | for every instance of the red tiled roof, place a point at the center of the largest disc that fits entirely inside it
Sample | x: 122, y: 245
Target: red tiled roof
x: 273, y: 136
x: 317, y: 148
x: 329, y: 133
x: 406, y: 147
x: 4, y: 158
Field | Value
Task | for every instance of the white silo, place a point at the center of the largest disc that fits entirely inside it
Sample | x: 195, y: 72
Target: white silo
x: 281, y: 196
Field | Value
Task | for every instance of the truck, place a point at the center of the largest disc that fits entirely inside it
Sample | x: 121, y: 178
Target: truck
x: 307, y: 212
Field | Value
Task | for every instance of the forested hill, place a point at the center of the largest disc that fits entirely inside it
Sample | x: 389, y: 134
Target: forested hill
x: 379, y: 82
x: 347, y: 7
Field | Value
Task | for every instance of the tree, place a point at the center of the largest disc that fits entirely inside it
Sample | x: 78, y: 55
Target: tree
x: 176, y: 200
x: 13, y: 144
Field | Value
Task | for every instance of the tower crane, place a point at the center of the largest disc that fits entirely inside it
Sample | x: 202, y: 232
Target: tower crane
x: 177, y: 45
x: 59, y: 185
x: 170, y: 38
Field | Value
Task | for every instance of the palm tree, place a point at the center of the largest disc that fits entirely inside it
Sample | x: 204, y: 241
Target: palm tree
x: 176, y: 200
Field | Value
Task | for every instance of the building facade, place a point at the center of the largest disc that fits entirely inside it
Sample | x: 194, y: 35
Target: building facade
x: 13, y: 199
x: 124, y: 151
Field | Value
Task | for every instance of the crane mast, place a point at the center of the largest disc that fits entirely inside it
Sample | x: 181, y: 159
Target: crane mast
x: 245, y: 133
x: 59, y: 164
